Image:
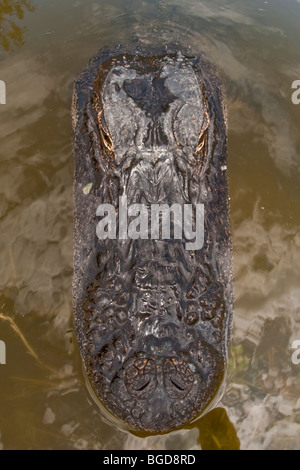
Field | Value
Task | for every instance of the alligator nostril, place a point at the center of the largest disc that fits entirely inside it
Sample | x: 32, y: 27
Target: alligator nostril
x: 177, y: 384
x: 140, y: 377
x: 143, y: 386
x: 178, y: 378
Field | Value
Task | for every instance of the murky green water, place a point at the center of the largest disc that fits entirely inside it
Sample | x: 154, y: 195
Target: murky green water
x: 44, y: 401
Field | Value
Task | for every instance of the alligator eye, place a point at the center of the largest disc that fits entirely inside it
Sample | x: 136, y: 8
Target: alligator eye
x: 106, y: 139
x: 201, y: 143
x: 203, y: 137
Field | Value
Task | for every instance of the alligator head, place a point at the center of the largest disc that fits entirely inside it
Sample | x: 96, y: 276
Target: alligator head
x: 152, y: 310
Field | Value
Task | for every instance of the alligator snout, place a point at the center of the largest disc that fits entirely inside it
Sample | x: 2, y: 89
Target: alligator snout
x: 160, y: 376
x: 158, y: 391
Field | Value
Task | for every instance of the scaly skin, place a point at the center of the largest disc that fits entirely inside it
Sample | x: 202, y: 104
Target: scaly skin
x: 152, y: 318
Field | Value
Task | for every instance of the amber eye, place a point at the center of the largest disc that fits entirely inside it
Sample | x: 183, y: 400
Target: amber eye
x: 203, y: 135
x: 201, y: 143
x: 106, y: 139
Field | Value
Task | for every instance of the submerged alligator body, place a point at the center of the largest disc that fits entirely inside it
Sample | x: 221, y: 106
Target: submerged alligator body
x: 152, y: 317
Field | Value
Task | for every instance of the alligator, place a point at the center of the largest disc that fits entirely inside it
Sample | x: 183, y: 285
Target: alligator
x: 152, y: 317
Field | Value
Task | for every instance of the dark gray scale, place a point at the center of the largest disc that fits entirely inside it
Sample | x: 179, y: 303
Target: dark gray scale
x: 152, y: 318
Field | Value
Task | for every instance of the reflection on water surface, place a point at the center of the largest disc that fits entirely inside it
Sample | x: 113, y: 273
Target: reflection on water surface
x: 10, y: 31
